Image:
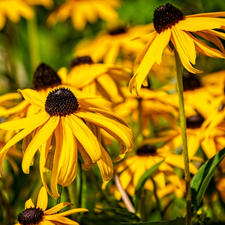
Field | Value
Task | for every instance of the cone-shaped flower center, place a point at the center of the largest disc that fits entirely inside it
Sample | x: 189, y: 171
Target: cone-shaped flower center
x: 190, y: 82
x: 119, y: 30
x: 80, y: 60
x: 165, y: 16
x: 194, y: 122
x: 146, y: 150
x: 30, y: 216
x: 45, y: 77
x: 61, y: 102
x: 221, y: 107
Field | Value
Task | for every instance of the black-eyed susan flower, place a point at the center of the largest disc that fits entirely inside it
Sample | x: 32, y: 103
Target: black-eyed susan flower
x: 171, y: 25
x: 96, y: 78
x: 131, y: 170
x: 40, y: 215
x: 108, y: 45
x: 62, y: 127
x: 45, y: 79
x: 83, y: 11
x: 13, y: 9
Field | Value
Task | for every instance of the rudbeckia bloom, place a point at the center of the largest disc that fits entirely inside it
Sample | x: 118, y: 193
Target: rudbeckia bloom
x: 82, y: 11
x: 171, y: 25
x: 96, y: 78
x: 146, y: 157
x: 40, y: 215
x: 108, y: 45
x: 61, y: 128
x: 13, y: 9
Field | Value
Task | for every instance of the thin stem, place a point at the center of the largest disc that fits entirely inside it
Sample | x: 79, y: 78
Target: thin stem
x: 33, y: 44
x: 179, y: 68
x: 157, y: 199
x: 58, y: 200
x: 125, y: 198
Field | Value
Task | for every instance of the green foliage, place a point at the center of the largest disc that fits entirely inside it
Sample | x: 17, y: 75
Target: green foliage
x: 201, y: 180
x: 140, y: 186
x: 177, y: 221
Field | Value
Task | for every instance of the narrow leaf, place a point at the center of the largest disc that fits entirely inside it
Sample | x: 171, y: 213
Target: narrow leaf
x: 201, y: 180
x: 141, y: 183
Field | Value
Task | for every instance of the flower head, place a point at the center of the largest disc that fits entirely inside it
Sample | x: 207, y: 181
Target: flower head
x: 39, y: 215
x: 61, y: 127
x: 171, y: 26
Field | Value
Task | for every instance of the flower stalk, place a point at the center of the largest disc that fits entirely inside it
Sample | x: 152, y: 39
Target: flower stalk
x: 58, y: 200
x: 179, y: 69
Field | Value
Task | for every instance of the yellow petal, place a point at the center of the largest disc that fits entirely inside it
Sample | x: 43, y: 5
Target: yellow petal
x: 29, y: 204
x: 85, y: 136
x: 56, y: 208
x: 40, y: 138
x: 42, y: 201
x: 105, y: 165
x: 34, y: 97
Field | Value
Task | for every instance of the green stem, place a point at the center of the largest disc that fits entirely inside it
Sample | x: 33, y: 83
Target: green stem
x: 33, y: 44
x: 58, y: 200
x: 157, y: 199
x: 179, y: 68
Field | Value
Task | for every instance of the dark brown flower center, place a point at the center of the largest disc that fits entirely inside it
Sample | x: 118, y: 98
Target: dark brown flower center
x: 146, y: 150
x: 194, y: 122
x: 80, y: 60
x: 221, y: 107
x: 165, y: 16
x: 190, y: 82
x: 61, y: 102
x: 45, y: 77
x: 119, y: 30
x: 30, y: 216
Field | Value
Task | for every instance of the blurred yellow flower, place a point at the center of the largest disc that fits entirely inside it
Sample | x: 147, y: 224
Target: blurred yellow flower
x: 96, y: 78
x: 131, y: 170
x: 172, y: 26
x: 45, y: 3
x: 82, y: 11
x: 13, y: 9
x: 60, y: 128
x: 40, y: 215
x: 108, y: 45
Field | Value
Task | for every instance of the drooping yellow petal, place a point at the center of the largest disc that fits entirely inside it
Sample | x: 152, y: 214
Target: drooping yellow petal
x: 105, y: 165
x: 122, y: 133
x: 183, y: 52
x: 71, y: 211
x: 85, y: 137
x: 39, y: 121
x: 9, y: 97
x: 34, y: 97
x: 40, y: 138
x: 56, y: 208
x: 42, y: 201
x: 69, y: 156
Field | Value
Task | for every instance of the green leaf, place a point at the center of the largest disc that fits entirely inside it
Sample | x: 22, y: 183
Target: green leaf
x: 177, y: 221
x: 140, y: 186
x: 201, y: 180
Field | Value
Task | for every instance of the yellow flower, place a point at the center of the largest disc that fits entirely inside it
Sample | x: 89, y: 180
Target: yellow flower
x: 44, y: 80
x: 108, y: 45
x: 13, y: 9
x: 153, y: 104
x: 95, y: 78
x: 40, y: 215
x: 60, y: 128
x: 82, y: 11
x: 146, y: 157
x: 45, y: 3
x: 171, y: 25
